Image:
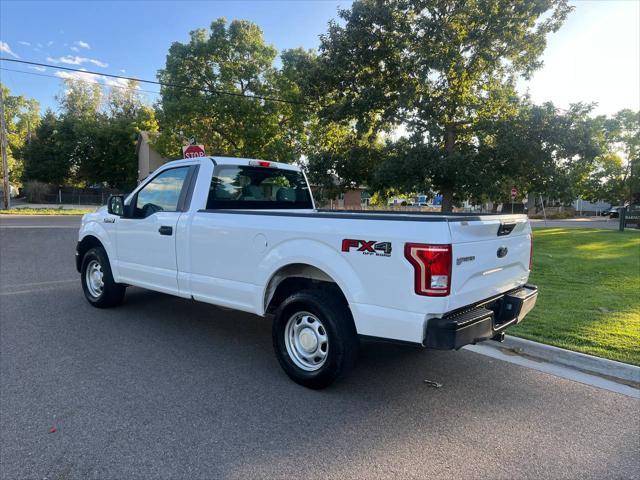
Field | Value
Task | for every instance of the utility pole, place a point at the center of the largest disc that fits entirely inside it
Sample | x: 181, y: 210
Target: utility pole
x: 5, y: 164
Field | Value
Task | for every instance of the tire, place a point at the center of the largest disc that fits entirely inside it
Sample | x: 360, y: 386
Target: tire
x: 96, y: 263
x: 314, y: 337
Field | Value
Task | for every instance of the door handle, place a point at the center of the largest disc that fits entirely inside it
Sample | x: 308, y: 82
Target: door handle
x: 165, y: 230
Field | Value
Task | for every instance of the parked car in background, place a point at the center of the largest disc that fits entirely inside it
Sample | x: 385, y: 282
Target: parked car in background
x: 613, y: 212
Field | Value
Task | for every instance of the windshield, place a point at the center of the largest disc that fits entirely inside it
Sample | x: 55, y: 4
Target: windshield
x: 258, y: 188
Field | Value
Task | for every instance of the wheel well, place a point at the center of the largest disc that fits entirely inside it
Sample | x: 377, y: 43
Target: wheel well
x: 296, y: 277
x: 86, y: 244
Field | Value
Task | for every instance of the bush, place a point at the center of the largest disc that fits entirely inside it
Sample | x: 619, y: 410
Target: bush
x: 36, y: 191
x: 553, y: 215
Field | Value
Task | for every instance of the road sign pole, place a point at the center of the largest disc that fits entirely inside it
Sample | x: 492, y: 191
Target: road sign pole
x: 544, y: 214
x: 6, y: 188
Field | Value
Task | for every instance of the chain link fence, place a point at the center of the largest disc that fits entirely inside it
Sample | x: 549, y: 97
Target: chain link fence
x: 38, y: 192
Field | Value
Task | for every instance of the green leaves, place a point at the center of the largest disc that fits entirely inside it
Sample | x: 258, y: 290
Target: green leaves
x: 22, y: 117
x: 440, y: 69
x: 90, y: 143
x: 232, y: 58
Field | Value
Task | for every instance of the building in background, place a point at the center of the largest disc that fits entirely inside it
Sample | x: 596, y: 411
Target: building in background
x: 148, y: 158
x: 583, y: 207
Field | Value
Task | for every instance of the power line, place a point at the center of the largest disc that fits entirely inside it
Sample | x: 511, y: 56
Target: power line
x: 76, y: 79
x: 162, y: 84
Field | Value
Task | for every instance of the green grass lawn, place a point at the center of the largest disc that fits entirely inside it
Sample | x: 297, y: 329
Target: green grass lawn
x: 45, y: 211
x: 589, y: 292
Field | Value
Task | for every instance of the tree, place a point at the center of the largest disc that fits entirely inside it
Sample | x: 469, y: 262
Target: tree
x: 81, y: 99
x: 539, y: 150
x: 115, y: 162
x: 613, y: 175
x: 231, y: 58
x: 44, y: 159
x: 93, y: 140
x: 340, y: 159
x: 80, y: 104
x: 606, y: 181
x: 96, y: 135
x: 437, y: 67
x: 623, y: 135
x: 22, y: 117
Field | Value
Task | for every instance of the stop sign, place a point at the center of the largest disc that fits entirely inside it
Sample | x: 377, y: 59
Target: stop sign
x: 193, y: 151
x: 514, y: 192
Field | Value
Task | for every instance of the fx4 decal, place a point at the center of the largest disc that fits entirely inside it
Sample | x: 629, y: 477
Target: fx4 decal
x: 367, y: 247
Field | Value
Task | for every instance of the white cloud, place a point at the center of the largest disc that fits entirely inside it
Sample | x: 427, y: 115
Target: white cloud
x: 122, y: 70
x: 70, y: 60
x: 38, y: 68
x: 82, y: 44
x: 49, y: 43
x: 75, y: 49
x: 115, y: 82
x: 22, y: 42
x: 93, y: 78
x: 83, y: 76
x: 98, y: 63
x: 4, y: 47
x: 76, y: 60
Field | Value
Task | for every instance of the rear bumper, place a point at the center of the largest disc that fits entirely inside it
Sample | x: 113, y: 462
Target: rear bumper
x: 480, y: 322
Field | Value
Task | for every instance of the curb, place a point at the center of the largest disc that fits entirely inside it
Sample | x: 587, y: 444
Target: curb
x: 580, y: 361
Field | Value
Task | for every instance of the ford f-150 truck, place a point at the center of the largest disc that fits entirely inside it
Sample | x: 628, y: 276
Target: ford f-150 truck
x: 245, y: 234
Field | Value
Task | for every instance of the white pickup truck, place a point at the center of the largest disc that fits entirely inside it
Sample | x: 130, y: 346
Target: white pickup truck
x: 245, y: 234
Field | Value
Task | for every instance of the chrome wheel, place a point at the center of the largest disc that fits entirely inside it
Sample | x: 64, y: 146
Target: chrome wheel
x: 93, y: 278
x: 306, y: 340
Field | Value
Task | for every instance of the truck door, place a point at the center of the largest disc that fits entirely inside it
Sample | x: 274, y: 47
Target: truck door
x: 146, y: 242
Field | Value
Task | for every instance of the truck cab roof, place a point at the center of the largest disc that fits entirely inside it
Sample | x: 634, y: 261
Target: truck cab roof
x: 251, y: 161
x: 236, y: 161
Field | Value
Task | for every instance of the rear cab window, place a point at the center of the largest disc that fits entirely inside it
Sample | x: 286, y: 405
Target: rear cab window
x: 253, y: 188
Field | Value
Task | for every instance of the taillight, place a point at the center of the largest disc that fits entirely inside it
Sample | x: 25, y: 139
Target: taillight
x: 259, y: 163
x: 432, y: 268
x: 530, y: 251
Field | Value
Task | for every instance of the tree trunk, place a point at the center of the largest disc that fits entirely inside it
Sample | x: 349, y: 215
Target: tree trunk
x: 447, y: 199
x: 449, y: 145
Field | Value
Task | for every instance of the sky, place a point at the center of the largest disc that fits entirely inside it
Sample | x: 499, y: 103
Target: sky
x: 595, y: 57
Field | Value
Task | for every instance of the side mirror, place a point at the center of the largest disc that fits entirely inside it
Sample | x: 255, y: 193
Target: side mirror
x: 115, y: 205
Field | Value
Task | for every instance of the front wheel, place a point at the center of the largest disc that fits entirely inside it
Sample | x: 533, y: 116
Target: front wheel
x: 97, y: 280
x: 314, y: 338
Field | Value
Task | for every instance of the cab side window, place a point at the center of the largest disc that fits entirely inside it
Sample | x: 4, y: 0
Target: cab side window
x: 162, y: 193
x: 248, y: 187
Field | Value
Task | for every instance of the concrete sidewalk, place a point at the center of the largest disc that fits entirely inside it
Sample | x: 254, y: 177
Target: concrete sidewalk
x: 579, y: 222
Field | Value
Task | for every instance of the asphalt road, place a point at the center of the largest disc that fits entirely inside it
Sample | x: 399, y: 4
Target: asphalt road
x: 168, y: 388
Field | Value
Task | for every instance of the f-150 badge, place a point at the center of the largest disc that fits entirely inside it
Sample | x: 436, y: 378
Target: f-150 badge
x: 367, y: 247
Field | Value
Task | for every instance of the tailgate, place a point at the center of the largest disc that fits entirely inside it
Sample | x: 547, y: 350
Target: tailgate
x: 489, y: 257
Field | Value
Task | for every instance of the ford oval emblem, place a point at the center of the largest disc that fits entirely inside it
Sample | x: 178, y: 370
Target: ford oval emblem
x: 502, y: 252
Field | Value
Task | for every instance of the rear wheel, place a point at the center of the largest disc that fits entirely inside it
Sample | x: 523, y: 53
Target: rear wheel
x: 97, y: 280
x: 314, y: 337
